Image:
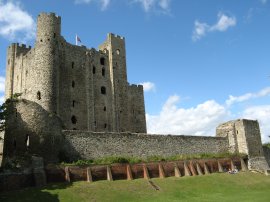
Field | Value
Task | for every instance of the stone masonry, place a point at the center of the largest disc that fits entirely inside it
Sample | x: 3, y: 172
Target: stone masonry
x: 86, y: 88
x: 76, y: 103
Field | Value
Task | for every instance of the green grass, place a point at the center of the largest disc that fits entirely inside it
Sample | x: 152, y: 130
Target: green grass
x: 125, y: 159
x: 216, y: 187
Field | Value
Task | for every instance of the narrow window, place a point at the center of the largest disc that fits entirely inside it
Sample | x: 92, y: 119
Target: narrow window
x: 73, y: 84
x: 102, y: 61
x: 104, y: 109
x: 14, y: 143
x: 103, y: 71
x: 74, y: 129
x: 105, y: 125
x: 72, y: 65
x: 237, y: 132
x: 16, y: 112
x: 74, y: 119
x: 48, y: 39
x: 38, y: 95
x: 26, y: 141
x: 73, y: 103
x: 94, y: 70
x: 95, y: 124
x: 103, y: 90
x: 54, y: 35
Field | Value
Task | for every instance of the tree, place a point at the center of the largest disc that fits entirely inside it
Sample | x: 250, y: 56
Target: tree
x: 4, y: 112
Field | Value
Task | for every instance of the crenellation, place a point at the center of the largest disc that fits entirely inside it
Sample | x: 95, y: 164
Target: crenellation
x: 77, y: 101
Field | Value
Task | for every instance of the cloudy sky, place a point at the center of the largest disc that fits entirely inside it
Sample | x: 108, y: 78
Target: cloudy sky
x: 201, y: 62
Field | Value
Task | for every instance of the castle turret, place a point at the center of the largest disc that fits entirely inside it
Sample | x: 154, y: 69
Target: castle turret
x: 45, y: 72
x: 118, y: 74
x: 13, y: 52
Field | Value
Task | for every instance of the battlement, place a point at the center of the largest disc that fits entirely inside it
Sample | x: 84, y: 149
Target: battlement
x: 53, y: 15
x: 136, y: 86
x: 111, y: 35
x: 21, y: 46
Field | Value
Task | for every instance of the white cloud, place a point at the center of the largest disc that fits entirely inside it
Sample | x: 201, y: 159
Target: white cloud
x: 15, y: 22
x: 263, y: 1
x: 199, y: 31
x: 199, y: 120
x: 104, y: 3
x: 2, y: 84
x: 262, y: 114
x: 156, y: 5
x: 205, y: 117
x: 148, y: 86
x: 223, y: 23
x: 236, y: 99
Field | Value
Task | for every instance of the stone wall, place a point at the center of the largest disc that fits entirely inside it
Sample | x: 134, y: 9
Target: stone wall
x: 67, y: 80
x: 89, y: 145
x: 266, y: 151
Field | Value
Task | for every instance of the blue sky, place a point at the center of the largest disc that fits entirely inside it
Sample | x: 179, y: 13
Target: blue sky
x: 201, y: 62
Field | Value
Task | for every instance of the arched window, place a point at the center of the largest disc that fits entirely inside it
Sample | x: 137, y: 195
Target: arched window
x: 38, y: 95
x: 102, y: 61
x: 73, y: 84
x: 103, y: 90
x: 73, y: 119
x: 94, y: 70
x: 103, y: 71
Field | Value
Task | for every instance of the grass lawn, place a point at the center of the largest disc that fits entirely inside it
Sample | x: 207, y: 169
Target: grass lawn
x: 215, y: 187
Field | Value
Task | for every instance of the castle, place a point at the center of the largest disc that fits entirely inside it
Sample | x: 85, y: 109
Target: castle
x: 76, y: 103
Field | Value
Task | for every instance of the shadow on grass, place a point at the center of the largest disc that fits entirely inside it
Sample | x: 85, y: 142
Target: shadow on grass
x: 48, y: 193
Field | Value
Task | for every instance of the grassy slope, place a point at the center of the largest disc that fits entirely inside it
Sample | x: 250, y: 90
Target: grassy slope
x: 215, y: 187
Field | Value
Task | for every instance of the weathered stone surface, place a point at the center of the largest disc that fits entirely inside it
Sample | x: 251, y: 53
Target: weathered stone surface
x: 66, y: 80
x: 76, y: 144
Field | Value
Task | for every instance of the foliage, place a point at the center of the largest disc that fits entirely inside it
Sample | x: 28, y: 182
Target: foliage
x: 122, y: 159
x: 244, y: 186
x: 4, y: 112
x: 267, y: 145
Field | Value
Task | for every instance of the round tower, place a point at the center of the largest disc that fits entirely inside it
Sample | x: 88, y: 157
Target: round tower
x: 46, y: 62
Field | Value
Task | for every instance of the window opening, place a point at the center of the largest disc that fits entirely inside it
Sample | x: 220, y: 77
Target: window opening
x: 26, y: 141
x: 54, y: 35
x: 104, y: 108
x: 74, y: 119
x: 105, y: 125
x: 72, y: 65
x: 103, y: 71
x: 38, y: 95
x: 94, y: 70
x: 102, y: 61
x: 73, y: 84
x: 73, y: 103
x: 74, y: 129
x: 14, y: 143
x: 103, y: 90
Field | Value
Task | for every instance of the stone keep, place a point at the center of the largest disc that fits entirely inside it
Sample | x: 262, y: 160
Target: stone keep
x: 76, y: 103
x: 87, y: 89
